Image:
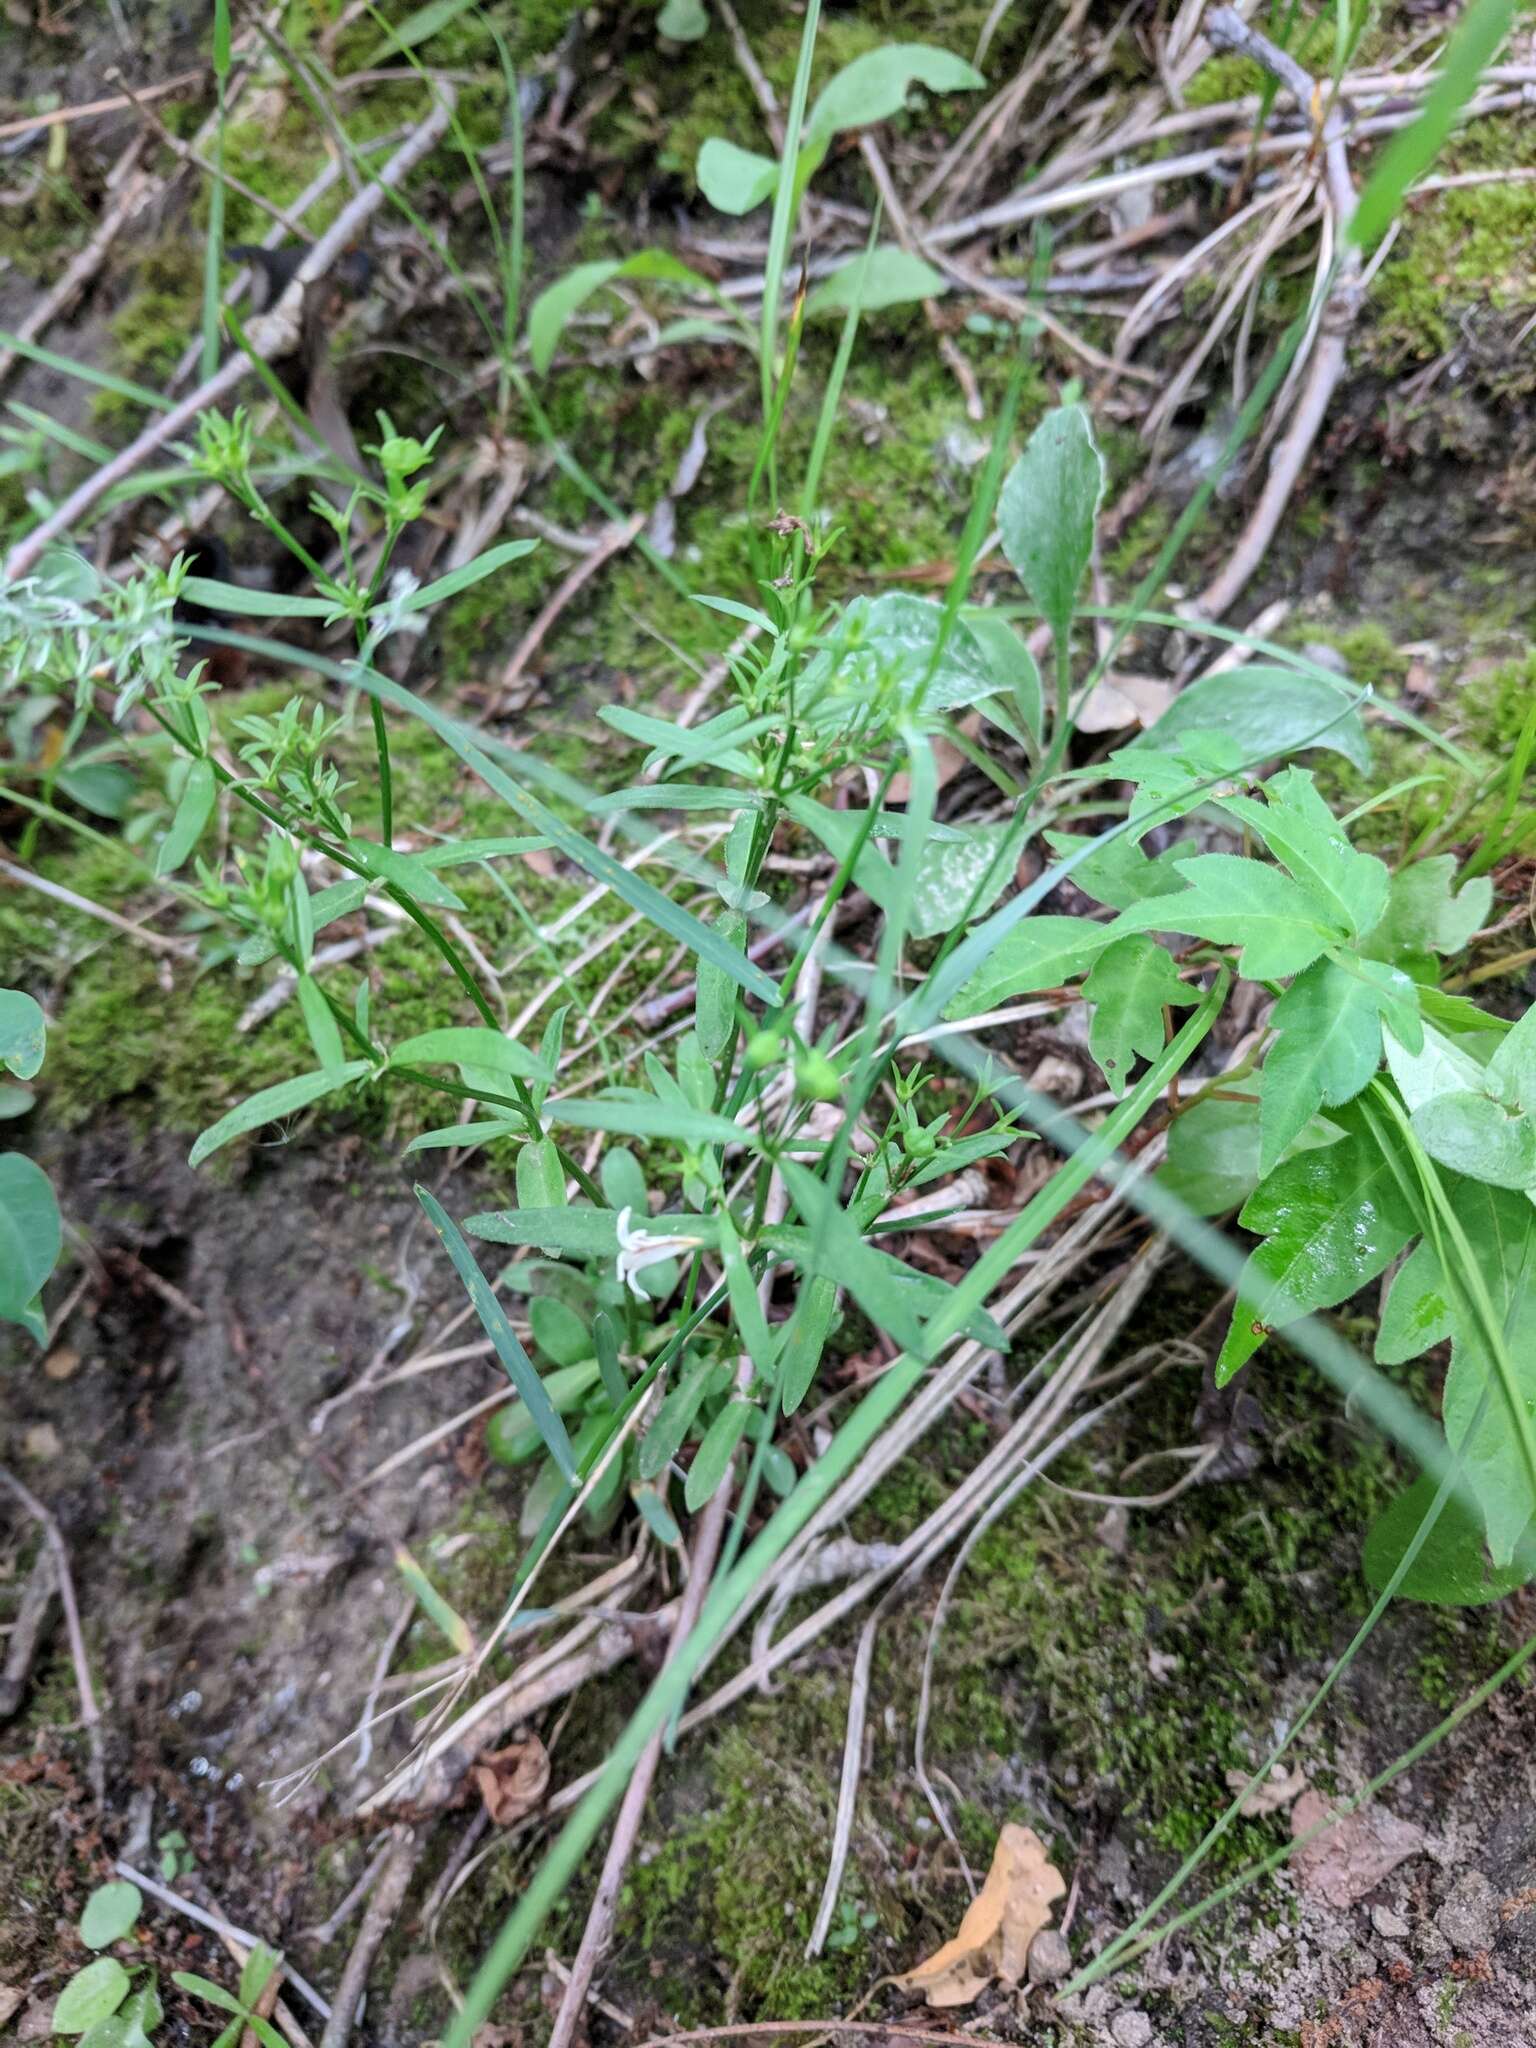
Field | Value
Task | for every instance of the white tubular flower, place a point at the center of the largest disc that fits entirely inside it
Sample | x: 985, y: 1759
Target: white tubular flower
x: 638, y: 1249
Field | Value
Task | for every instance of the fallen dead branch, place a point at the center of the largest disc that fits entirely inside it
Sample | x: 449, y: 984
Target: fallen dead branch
x: 388, y: 1892
x: 90, y: 1712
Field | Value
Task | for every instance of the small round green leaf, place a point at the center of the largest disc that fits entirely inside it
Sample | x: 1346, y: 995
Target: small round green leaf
x: 23, y: 1033
x: 110, y: 1912
x: 90, y: 1996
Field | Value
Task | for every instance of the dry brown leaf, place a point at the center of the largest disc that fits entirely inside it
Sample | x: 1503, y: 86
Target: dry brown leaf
x: 513, y: 1780
x: 999, y: 1925
x: 1122, y: 701
x: 12, y: 1999
x: 1278, y: 1790
x: 1355, y: 1854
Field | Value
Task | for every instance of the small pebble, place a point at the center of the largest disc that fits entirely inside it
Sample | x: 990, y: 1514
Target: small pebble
x: 1389, y: 1925
x: 1469, y: 1919
x: 1130, y: 2030
x: 1049, y: 1957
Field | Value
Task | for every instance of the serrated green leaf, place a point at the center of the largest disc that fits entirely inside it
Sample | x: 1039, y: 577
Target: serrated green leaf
x: 1329, y: 1044
x: 23, y: 1033
x: 1047, y: 510
x: 1269, y: 712
x: 1118, y: 872
x: 1332, y: 1219
x: 1131, y: 983
x: 1040, y: 952
x: 1280, y: 926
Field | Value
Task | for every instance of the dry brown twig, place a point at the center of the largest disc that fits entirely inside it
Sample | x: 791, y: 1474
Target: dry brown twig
x: 272, y: 334
x: 90, y: 1712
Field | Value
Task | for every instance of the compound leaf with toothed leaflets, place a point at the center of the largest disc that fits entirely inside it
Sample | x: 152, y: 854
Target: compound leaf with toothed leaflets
x: 1040, y: 952
x: 267, y: 1105
x: 1047, y: 510
x: 1131, y: 983
x: 1280, y: 926
x: 1269, y: 712
x: 1328, y: 1044
x: 504, y: 1339
x: 1331, y: 1219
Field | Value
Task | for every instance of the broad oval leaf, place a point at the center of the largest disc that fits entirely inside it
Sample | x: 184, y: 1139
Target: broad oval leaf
x: 899, y: 642
x: 874, y: 87
x: 23, y: 1033
x: 1047, y: 510
x: 111, y: 1911
x: 91, y: 1995
x: 1476, y: 1136
x: 732, y: 179
x: 268, y: 1104
x: 887, y: 276
x: 1452, y: 1567
x: 31, y: 1236
x: 1269, y: 712
x: 558, y: 1331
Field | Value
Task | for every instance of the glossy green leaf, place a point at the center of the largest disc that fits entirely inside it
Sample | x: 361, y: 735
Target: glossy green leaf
x: 1331, y: 1219
x: 1131, y: 984
x: 23, y: 1033
x: 1280, y: 926
x: 1040, y: 952
x: 111, y: 1911
x: 887, y: 276
x: 1269, y: 712
x: 874, y: 87
x: 470, y: 1047
x: 1047, y: 511
x: 193, y: 811
x: 92, y: 1994
x: 951, y: 872
x: 1213, y: 1155
x: 493, y: 1318
x: 1417, y: 1311
x: 554, y: 308
x: 1452, y: 1568
x: 1472, y: 1134
x: 1426, y: 912
x: 1328, y: 1044
x: 899, y: 643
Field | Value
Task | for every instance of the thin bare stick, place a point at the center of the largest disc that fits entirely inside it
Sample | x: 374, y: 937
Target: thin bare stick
x: 271, y: 334
x: 326, y: 1931
x: 225, y: 1929
x: 752, y: 72
x: 156, y: 941
x: 59, y: 117
x: 1227, y: 30
x: 90, y: 1712
x: 390, y: 1889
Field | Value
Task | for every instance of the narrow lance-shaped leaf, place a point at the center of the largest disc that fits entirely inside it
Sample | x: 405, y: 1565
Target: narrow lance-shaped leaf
x: 493, y: 1317
x: 268, y: 1104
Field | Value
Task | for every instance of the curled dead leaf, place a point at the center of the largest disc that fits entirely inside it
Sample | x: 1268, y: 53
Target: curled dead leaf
x: 513, y: 1780
x: 999, y: 1925
x: 1355, y: 1853
x: 1278, y: 1790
